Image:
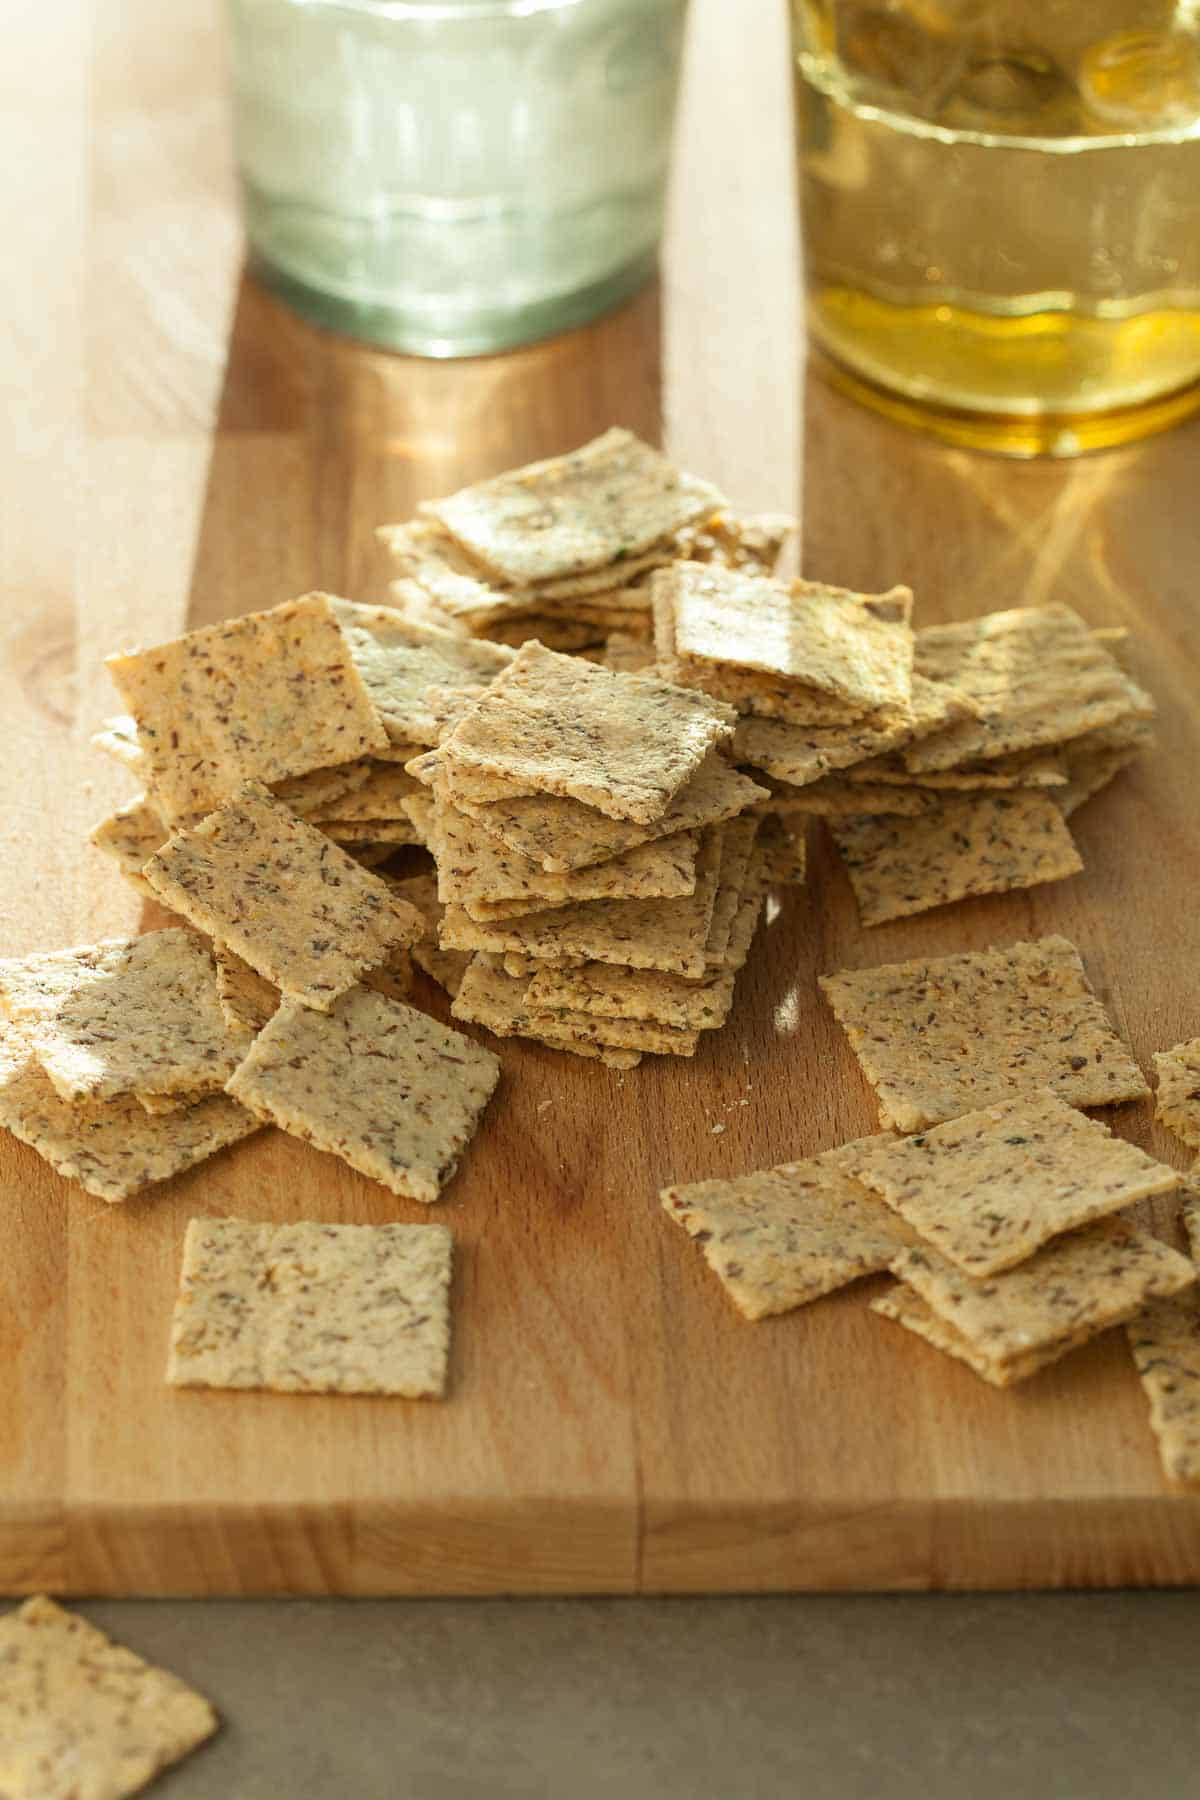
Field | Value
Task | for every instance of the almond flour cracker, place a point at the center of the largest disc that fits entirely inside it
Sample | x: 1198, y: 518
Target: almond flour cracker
x: 301, y: 912
x: 1177, y: 1101
x: 399, y: 659
x: 81, y: 1716
x: 386, y: 1088
x: 938, y: 1038
x: 1165, y: 1340
x: 313, y: 1309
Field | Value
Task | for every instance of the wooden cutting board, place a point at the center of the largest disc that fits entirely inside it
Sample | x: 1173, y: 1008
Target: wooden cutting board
x: 182, y: 450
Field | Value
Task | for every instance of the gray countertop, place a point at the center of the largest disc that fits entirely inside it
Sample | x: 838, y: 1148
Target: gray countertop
x: 950, y: 1697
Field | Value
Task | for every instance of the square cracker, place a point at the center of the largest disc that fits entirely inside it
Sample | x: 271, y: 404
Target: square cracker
x: 1075, y: 1287
x: 489, y: 995
x: 782, y: 1237
x: 905, y: 1306
x: 804, y: 753
x: 125, y: 1016
x: 855, y: 647
x: 939, y: 1037
x: 113, y: 1148
x: 968, y: 844
x: 1177, y: 1101
x: 1165, y: 1340
x: 624, y: 744
x: 262, y: 697
x: 83, y: 1716
x: 399, y: 659
x: 612, y: 498
x: 313, y: 1309
x: 989, y: 1189
x: 562, y: 835
x: 1038, y: 675
x: 300, y: 911
x: 639, y: 934
x: 476, y: 869
x: 386, y: 1088
x: 130, y: 836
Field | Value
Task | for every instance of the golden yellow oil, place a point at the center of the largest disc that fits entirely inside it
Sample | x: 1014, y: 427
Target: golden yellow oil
x: 1002, y: 234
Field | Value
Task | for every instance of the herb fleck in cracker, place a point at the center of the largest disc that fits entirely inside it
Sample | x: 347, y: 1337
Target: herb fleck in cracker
x: 81, y: 1716
x: 938, y: 1038
x: 313, y: 1309
x: 270, y: 695
x: 399, y: 660
x: 275, y: 890
x: 386, y: 1088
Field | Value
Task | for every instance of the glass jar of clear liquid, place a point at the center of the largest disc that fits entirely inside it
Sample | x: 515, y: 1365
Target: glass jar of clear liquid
x: 453, y: 176
x: 1001, y: 212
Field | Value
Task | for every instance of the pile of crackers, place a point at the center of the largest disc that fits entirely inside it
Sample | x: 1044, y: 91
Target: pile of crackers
x: 1003, y: 1214
x: 595, y: 858
x: 946, y: 760
x: 561, y: 550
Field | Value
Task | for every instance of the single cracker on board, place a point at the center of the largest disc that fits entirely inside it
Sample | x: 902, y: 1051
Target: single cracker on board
x: 125, y: 1016
x: 782, y: 1237
x: 990, y: 1188
x: 1165, y: 1341
x: 313, y: 1309
x: 624, y: 744
x: 113, y: 1148
x: 990, y: 843
x: 1073, y: 1288
x: 386, y: 1088
x: 939, y: 1037
x: 671, y: 935
x: 491, y: 996
x: 1038, y: 675
x: 562, y: 835
x: 1177, y: 1100
x: 804, y: 753
x: 305, y: 916
x: 612, y: 498
x: 905, y: 1307
x: 855, y: 647
x: 263, y: 697
x: 82, y: 1717
x: 398, y: 660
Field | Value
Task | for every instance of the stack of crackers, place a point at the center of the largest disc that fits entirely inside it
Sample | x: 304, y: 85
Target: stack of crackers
x: 561, y: 550
x: 595, y: 857
x: 946, y: 760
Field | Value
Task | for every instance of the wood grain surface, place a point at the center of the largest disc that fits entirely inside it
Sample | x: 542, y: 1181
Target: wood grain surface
x: 180, y: 449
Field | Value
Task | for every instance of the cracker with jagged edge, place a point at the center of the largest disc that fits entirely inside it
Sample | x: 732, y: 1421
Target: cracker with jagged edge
x: 246, y: 999
x: 277, y: 891
x: 305, y: 794
x: 905, y: 1307
x: 1177, y: 1100
x: 857, y: 648
x: 379, y: 795
x: 489, y: 995
x: 446, y: 967
x: 82, y: 1717
x: 782, y: 1237
x: 130, y: 837
x: 563, y: 835
x: 804, y: 753
x: 834, y: 797
x: 1021, y: 769
x: 671, y: 935
x: 610, y: 500
x: 113, y: 1148
x: 646, y: 1035
x: 489, y: 878
x: 623, y: 744
x: 388, y: 1089
x: 1165, y: 1341
x: 1069, y: 1291
x: 130, y: 1015
x: 398, y: 659
x: 1038, y: 675
x: 264, y: 697
x: 306, y: 1308
x: 989, y: 843
x: 942, y: 1036
x: 395, y: 833
x: 989, y: 1189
